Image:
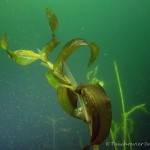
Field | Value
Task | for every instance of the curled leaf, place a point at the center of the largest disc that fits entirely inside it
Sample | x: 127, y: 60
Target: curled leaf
x: 94, y: 52
x: 3, y: 41
x: 99, y: 108
x: 53, y: 21
x: 68, y: 101
x: 70, y: 47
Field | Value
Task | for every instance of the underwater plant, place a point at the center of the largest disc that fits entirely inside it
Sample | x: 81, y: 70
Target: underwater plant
x: 91, y: 77
x: 126, y: 125
x: 125, y: 128
x: 53, y: 122
x: 88, y: 102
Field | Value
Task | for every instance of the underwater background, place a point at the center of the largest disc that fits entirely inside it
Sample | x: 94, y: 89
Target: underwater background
x: 30, y: 113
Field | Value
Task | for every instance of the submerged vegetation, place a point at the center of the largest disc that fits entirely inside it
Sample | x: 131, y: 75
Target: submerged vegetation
x: 126, y: 125
x: 124, y: 128
x: 87, y: 102
x: 53, y: 122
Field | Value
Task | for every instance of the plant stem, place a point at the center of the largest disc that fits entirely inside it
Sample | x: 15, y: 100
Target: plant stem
x: 134, y: 108
x: 113, y: 139
x: 53, y: 123
x: 123, y: 107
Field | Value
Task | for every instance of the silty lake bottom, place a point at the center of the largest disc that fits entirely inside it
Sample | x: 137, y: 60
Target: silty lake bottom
x: 31, y: 117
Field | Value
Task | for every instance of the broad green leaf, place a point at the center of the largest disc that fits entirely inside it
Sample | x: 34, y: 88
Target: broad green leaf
x: 67, y: 100
x: 55, y: 80
x: 48, y: 48
x: 53, y: 21
x: 99, y: 108
x: 23, y: 57
x: 70, y: 47
x: 3, y: 41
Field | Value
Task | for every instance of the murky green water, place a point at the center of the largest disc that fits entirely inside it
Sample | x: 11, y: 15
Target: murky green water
x: 29, y: 110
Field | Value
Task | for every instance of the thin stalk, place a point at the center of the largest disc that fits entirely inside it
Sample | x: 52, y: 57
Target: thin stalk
x: 52, y: 122
x: 123, y: 107
x: 134, y: 108
x: 113, y: 139
x: 130, y: 142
